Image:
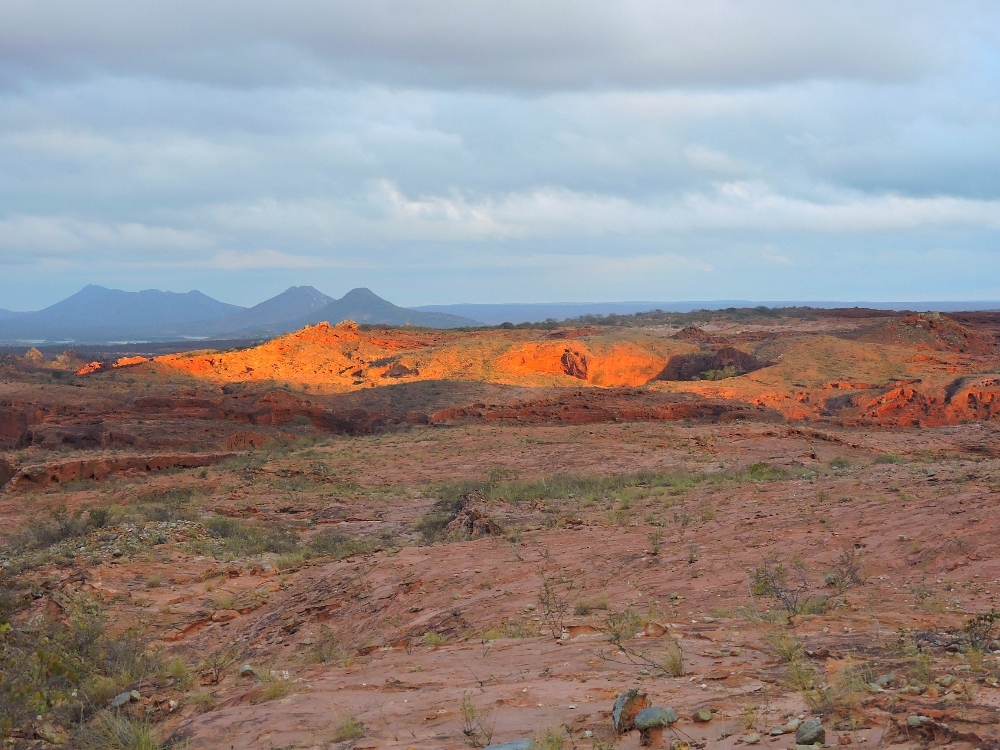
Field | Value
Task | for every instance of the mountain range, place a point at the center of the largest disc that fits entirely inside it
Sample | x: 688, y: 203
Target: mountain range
x: 96, y: 314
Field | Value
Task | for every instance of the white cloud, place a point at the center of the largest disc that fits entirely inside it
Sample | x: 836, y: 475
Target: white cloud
x: 46, y: 236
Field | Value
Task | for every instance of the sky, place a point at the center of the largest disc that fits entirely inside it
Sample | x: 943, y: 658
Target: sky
x: 444, y: 151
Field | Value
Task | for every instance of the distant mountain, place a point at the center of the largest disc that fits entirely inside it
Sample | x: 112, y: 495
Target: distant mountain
x: 270, y: 317
x: 99, y: 314
x: 364, y: 306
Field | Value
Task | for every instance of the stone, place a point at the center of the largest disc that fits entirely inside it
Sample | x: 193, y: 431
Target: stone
x: 702, y: 714
x: 224, y: 615
x: 916, y: 721
x: 791, y: 726
x: 51, y: 734
x: 810, y: 732
x: 751, y: 739
x: 885, y: 680
x: 627, y: 705
x: 247, y: 671
x: 680, y: 745
x: 654, y: 630
x: 655, y: 717
x: 651, y: 722
x: 122, y: 699
x: 528, y: 744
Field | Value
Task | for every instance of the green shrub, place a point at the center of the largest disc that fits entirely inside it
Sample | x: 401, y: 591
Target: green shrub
x: 119, y: 731
x: 762, y: 472
x: 239, y: 537
x: 66, y: 671
x: 338, y: 545
x: 349, y: 728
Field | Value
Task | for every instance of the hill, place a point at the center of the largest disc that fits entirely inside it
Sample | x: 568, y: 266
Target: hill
x: 270, y: 317
x: 364, y: 306
x: 98, y: 313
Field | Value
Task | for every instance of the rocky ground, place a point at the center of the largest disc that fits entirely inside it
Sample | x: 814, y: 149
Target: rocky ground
x: 570, y: 598
x: 247, y: 574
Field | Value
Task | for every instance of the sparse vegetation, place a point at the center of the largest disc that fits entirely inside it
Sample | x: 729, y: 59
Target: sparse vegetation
x: 773, y: 579
x: 887, y: 458
x: 623, y: 626
x: 239, y: 538
x: 477, y: 728
x: 847, y: 569
x: 119, y: 731
x: 556, y: 595
x: 65, y: 671
x: 673, y: 659
x: 433, y: 639
x: 979, y: 630
x: 349, y: 728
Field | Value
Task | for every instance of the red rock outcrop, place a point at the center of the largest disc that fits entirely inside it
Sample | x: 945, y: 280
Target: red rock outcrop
x: 44, y: 475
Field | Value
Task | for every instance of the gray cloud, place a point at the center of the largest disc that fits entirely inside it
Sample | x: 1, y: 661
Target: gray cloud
x: 501, y: 44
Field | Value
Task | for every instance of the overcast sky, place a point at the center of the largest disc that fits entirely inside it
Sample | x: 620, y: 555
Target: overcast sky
x: 492, y: 151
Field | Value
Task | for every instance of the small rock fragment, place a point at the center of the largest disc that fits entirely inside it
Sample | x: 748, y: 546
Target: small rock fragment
x: 916, y: 721
x: 702, y: 714
x: 527, y: 744
x: 751, y: 739
x: 885, y: 680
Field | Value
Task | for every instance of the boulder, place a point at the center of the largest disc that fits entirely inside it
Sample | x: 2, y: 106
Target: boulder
x: 810, y: 732
x: 627, y: 706
x: 651, y: 722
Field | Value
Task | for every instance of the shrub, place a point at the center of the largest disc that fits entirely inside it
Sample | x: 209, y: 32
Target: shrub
x: 66, y: 671
x: 673, y: 660
x: 338, y: 545
x: 772, y: 579
x: 119, y: 731
x: 241, y: 538
x: 623, y: 626
x: 763, y: 472
x: 349, y: 728
x: 979, y: 629
x: 434, y: 639
x: 785, y: 647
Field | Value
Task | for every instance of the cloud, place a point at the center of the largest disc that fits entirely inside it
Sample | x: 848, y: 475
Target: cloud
x: 490, y: 44
x: 500, y: 146
x: 55, y: 236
